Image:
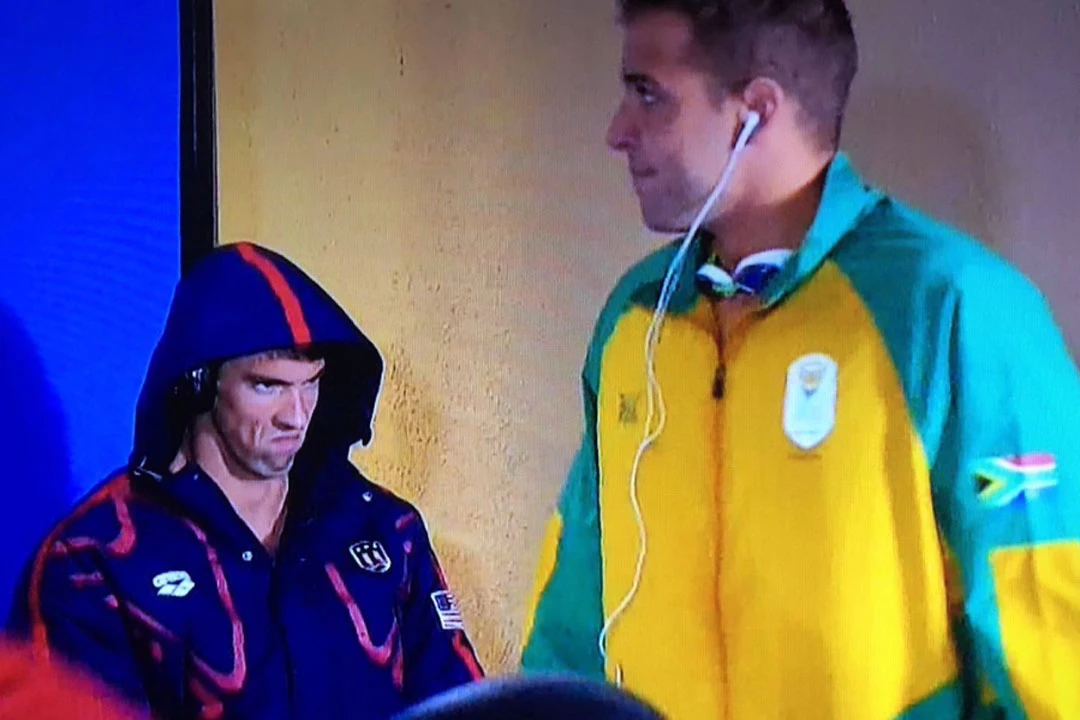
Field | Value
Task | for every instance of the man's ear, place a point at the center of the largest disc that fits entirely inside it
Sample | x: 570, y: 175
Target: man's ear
x: 764, y: 96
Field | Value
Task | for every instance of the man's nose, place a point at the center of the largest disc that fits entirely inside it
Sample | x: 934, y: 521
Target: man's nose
x: 620, y: 133
x: 295, y: 410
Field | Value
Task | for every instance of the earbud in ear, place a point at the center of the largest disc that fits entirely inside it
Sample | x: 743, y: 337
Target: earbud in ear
x: 752, y: 123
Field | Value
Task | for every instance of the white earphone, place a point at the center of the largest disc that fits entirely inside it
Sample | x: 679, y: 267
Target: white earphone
x: 654, y: 396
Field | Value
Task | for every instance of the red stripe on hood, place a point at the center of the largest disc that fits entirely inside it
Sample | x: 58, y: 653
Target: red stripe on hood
x: 294, y: 312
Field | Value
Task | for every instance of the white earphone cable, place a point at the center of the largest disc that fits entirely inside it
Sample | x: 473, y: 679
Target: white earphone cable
x: 654, y: 395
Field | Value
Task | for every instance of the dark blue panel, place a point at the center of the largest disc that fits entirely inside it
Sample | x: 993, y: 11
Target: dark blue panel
x: 89, y: 244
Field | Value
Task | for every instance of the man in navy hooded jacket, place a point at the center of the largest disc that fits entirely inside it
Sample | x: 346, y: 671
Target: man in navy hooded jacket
x: 241, y: 567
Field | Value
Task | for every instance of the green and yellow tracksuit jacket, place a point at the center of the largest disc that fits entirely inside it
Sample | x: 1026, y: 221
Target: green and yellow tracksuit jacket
x: 880, y: 518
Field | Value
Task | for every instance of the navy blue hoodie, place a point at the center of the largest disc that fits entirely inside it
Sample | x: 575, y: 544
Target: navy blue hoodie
x: 156, y: 585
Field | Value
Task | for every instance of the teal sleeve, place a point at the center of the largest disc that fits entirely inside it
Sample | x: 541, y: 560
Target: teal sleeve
x: 568, y: 616
x: 1007, y: 489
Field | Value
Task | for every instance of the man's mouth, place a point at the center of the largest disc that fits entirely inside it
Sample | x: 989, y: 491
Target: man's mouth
x: 288, y: 441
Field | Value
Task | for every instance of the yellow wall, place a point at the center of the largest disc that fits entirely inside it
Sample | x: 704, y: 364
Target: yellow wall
x: 439, y: 166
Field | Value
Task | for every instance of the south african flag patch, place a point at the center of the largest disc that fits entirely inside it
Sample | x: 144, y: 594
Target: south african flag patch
x: 1000, y: 481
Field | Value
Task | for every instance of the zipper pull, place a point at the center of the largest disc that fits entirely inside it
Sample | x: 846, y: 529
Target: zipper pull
x: 718, y: 381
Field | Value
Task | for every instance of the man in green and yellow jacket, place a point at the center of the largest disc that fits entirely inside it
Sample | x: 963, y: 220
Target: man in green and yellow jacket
x: 862, y: 501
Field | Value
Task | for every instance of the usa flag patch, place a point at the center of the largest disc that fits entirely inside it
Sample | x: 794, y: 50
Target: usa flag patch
x: 447, y: 609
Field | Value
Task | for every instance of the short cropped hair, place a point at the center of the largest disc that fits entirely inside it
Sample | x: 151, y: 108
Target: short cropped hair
x: 807, y: 46
x: 302, y: 353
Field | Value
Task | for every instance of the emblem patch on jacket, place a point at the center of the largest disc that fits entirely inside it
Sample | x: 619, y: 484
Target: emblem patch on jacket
x: 370, y: 555
x: 810, y: 400
x: 999, y: 481
x: 175, y: 583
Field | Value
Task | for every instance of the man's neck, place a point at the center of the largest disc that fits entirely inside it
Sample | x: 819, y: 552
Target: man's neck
x: 776, y: 215
x: 258, y: 501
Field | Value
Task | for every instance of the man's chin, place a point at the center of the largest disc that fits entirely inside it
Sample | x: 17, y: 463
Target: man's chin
x: 270, y: 469
x: 664, y: 226
x: 662, y: 222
